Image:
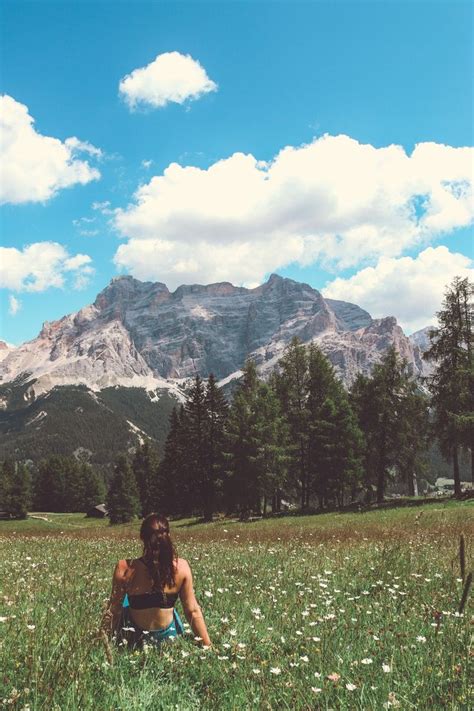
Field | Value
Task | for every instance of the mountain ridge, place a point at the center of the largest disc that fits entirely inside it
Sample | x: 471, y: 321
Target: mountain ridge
x: 141, y: 333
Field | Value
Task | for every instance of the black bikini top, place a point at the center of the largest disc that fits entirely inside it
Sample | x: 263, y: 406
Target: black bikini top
x: 152, y: 599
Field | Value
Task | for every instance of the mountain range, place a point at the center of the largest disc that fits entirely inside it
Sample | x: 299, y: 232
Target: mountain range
x: 130, y: 355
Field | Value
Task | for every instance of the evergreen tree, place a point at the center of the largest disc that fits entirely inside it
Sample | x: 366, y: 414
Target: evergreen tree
x: 242, y: 486
x: 216, y: 414
x: 122, y: 498
x: 271, y: 436
x: 413, y: 433
x: 49, y: 494
x: 338, y: 442
x: 7, y: 475
x: 381, y: 404
x: 94, y: 487
x: 322, y: 389
x: 292, y: 388
x: 195, y: 422
x: 72, y: 492
x: 173, y: 495
x: 19, y: 499
x: 145, y: 467
x: 452, y: 383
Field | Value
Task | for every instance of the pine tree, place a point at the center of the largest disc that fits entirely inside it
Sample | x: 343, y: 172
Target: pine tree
x: 322, y: 388
x: 413, y: 431
x: 380, y: 402
x: 292, y: 387
x: 338, y: 442
x: 271, y: 436
x: 7, y: 475
x: 242, y: 486
x: 173, y: 494
x: 50, y: 485
x: 19, y: 499
x: 216, y: 414
x: 145, y: 468
x: 452, y: 383
x: 93, y: 485
x: 122, y: 498
x: 195, y: 421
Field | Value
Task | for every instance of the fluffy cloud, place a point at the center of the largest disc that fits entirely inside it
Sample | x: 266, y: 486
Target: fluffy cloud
x: 42, y: 265
x: 14, y: 305
x: 409, y: 288
x: 171, y: 77
x: 35, y: 167
x: 334, y: 201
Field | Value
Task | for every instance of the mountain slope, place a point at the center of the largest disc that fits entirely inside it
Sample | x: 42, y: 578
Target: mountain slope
x: 73, y: 419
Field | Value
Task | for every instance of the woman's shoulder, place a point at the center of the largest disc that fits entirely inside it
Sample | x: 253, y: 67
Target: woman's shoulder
x: 125, y: 568
x: 182, y: 566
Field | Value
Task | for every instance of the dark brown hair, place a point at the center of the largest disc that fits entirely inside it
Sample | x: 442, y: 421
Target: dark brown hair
x: 159, y: 552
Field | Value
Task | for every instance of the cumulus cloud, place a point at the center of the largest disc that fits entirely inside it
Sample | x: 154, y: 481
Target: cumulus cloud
x: 410, y: 288
x: 14, y: 305
x: 171, y: 77
x: 335, y: 201
x: 36, y: 167
x: 42, y: 265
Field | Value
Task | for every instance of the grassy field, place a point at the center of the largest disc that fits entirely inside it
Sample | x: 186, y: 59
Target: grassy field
x: 337, y: 611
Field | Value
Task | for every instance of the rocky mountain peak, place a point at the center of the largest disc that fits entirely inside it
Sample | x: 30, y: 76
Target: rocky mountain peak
x: 140, y: 332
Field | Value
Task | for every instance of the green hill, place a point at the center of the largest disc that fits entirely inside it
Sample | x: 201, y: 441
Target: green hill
x: 73, y: 419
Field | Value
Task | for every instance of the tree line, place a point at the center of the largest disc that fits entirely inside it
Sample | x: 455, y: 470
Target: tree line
x: 58, y: 484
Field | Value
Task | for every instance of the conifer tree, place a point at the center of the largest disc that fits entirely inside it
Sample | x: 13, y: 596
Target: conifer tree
x: 452, y: 383
x: 50, y: 485
x: 7, y: 474
x: 19, y: 498
x: 338, y: 442
x: 122, y: 498
x: 216, y: 414
x: 173, y: 494
x: 322, y: 389
x: 382, y: 405
x: 292, y: 388
x: 145, y: 467
x: 195, y: 421
x: 271, y: 437
x: 242, y: 487
x: 94, y: 488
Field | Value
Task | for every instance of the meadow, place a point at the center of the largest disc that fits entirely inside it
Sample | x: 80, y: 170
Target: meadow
x: 334, y: 611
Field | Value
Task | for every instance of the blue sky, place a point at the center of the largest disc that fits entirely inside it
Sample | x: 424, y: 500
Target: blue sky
x: 287, y: 74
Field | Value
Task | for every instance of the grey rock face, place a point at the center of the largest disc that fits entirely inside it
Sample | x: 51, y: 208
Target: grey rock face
x: 140, y: 332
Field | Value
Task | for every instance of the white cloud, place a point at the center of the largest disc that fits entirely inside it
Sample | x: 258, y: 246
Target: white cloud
x: 334, y: 201
x: 34, y: 166
x: 42, y: 265
x: 410, y: 288
x: 171, y: 77
x: 103, y: 207
x: 14, y: 305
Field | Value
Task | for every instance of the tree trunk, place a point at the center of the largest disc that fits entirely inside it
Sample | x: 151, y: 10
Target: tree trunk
x: 457, y: 479
x: 472, y: 461
x: 264, y: 512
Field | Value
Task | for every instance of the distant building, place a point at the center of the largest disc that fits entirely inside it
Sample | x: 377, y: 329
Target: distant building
x: 99, y: 511
x: 447, y: 485
x: 4, y: 516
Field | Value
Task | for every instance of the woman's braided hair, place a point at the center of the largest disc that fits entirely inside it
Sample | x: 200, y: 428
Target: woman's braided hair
x: 159, y: 552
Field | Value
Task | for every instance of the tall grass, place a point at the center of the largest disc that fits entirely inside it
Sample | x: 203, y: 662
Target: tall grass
x: 347, y: 611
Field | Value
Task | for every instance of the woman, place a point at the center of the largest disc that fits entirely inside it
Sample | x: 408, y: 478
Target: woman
x: 152, y: 584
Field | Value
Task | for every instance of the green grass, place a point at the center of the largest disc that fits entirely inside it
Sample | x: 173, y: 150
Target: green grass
x: 310, y: 596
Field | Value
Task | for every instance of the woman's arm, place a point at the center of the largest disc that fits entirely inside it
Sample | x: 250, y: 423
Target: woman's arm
x: 191, y: 608
x: 111, y: 616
